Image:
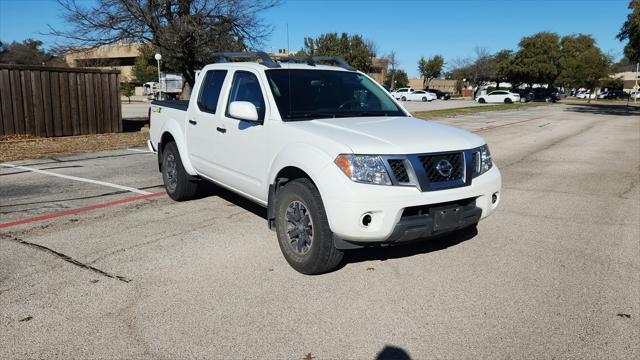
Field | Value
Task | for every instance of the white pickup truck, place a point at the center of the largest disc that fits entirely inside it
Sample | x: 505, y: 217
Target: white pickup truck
x: 338, y: 163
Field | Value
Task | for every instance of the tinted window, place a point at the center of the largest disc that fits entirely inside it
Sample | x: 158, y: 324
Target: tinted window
x: 418, y: 92
x: 210, y: 90
x: 247, y: 88
x: 312, y: 94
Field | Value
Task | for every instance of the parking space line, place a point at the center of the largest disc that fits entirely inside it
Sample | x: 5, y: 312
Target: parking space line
x: 80, y: 210
x: 486, y: 128
x: 91, y: 181
x: 140, y: 150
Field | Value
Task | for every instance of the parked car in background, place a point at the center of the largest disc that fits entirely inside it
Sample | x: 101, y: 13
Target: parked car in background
x: 398, y: 93
x: 545, y: 94
x: 499, y: 96
x: 613, y: 95
x: 585, y: 95
x: 526, y: 95
x: 418, y: 95
x: 442, y: 95
x: 634, y: 95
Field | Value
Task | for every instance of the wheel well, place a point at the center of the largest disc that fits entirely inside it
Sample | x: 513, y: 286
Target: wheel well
x: 164, y: 140
x: 285, y: 175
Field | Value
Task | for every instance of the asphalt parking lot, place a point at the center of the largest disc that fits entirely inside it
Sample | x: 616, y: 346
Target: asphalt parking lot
x: 96, y: 262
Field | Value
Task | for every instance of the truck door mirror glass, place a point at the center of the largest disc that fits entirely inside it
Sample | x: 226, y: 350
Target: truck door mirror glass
x: 243, y: 110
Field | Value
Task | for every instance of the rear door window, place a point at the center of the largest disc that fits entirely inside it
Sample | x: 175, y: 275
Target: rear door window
x: 210, y: 90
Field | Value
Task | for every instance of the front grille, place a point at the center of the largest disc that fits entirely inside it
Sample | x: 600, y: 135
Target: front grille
x: 430, y: 164
x: 399, y: 170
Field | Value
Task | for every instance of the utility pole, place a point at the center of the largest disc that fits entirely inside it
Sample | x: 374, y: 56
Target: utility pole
x: 635, y: 97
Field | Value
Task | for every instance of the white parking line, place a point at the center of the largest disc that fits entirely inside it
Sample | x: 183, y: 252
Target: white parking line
x: 140, y: 150
x: 90, y: 181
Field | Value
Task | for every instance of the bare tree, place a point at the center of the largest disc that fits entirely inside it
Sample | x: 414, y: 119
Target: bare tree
x: 393, y: 62
x: 186, y: 32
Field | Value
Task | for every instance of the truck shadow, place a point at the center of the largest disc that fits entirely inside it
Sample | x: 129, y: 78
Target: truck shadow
x: 380, y: 253
x: 417, y: 247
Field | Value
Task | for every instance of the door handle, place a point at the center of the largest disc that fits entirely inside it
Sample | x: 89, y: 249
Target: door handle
x: 192, y: 122
x: 222, y: 130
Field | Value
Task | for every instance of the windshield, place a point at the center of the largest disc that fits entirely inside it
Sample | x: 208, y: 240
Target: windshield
x: 311, y: 94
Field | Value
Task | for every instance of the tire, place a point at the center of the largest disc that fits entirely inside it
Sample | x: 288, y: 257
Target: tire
x: 403, y: 99
x: 424, y: 99
x: 508, y: 101
x: 482, y: 101
x: 320, y: 256
x: 178, y: 184
x: 548, y: 100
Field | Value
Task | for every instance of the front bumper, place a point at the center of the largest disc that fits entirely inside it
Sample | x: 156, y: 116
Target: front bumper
x: 347, y: 202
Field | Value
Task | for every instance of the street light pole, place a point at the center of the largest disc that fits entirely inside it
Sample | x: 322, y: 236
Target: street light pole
x: 158, y: 57
x: 635, y: 98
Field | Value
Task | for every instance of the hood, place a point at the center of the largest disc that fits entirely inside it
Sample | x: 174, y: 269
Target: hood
x: 391, y: 135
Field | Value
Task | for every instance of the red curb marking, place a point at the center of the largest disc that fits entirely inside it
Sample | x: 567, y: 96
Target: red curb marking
x: 79, y: 210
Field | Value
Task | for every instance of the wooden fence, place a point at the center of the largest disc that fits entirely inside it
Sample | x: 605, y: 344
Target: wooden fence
x: 48, y: 101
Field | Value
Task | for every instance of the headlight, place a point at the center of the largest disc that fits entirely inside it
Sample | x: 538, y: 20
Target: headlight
x: 363, y: 168
x: 483, y: 160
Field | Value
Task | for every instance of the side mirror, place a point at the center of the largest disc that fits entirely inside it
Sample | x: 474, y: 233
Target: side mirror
x: 243, y: 110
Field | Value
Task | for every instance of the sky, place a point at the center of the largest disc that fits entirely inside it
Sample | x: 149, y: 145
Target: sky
x: 411, y: 28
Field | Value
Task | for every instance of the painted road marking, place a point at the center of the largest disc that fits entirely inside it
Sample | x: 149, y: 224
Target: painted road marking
x: 90, y: 181
x: 140, y: 150
x: 80, y: 210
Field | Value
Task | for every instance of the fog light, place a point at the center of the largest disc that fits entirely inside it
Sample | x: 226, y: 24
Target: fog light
x: 494, y: 198
x: 366, y: 220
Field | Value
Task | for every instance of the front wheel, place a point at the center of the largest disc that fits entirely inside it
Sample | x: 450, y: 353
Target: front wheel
x: 304, y: 236
x: 177, y: 182
x: 403, y: 98
x: 482, y: 101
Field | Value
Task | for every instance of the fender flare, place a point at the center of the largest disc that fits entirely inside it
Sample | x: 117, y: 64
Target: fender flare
x: 295, y: 155
x: 172, y: 127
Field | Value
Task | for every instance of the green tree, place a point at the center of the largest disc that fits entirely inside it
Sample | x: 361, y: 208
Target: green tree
x: 145, y: 68
x: 505, y: 71
x: 398, y: 76
x: 28, y: 52
x: 630, y: 31
x: 127, y: 90
x: 536, y: 61
x: 430, y: 69
x: 353, y: 48
x: 582, y: 63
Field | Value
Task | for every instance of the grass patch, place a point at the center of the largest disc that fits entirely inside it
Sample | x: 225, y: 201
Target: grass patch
x: 21, y: 148
x: 432, y: 114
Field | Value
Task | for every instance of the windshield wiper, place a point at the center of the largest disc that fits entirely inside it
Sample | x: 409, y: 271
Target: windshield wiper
x: 307, y: 115
x: 369, y: 113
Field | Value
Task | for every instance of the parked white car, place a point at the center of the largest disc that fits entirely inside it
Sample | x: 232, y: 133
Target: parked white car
x: 337, y: 163
x: 399, y: 93
x: 499, y: 96
x: 585, y: 95
x: 634, y: 95
x: 419, y: 95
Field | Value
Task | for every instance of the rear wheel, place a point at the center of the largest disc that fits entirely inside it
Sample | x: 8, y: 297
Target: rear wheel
x: 508, y: 101
x: 179, y: 185
x: 424, y: 99
x: 304, y: 236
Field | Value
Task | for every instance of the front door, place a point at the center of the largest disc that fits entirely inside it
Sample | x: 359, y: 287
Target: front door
x: 244, y: 143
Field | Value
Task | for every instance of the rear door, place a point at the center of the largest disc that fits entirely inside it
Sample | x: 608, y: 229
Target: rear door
x: 204, y: 123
